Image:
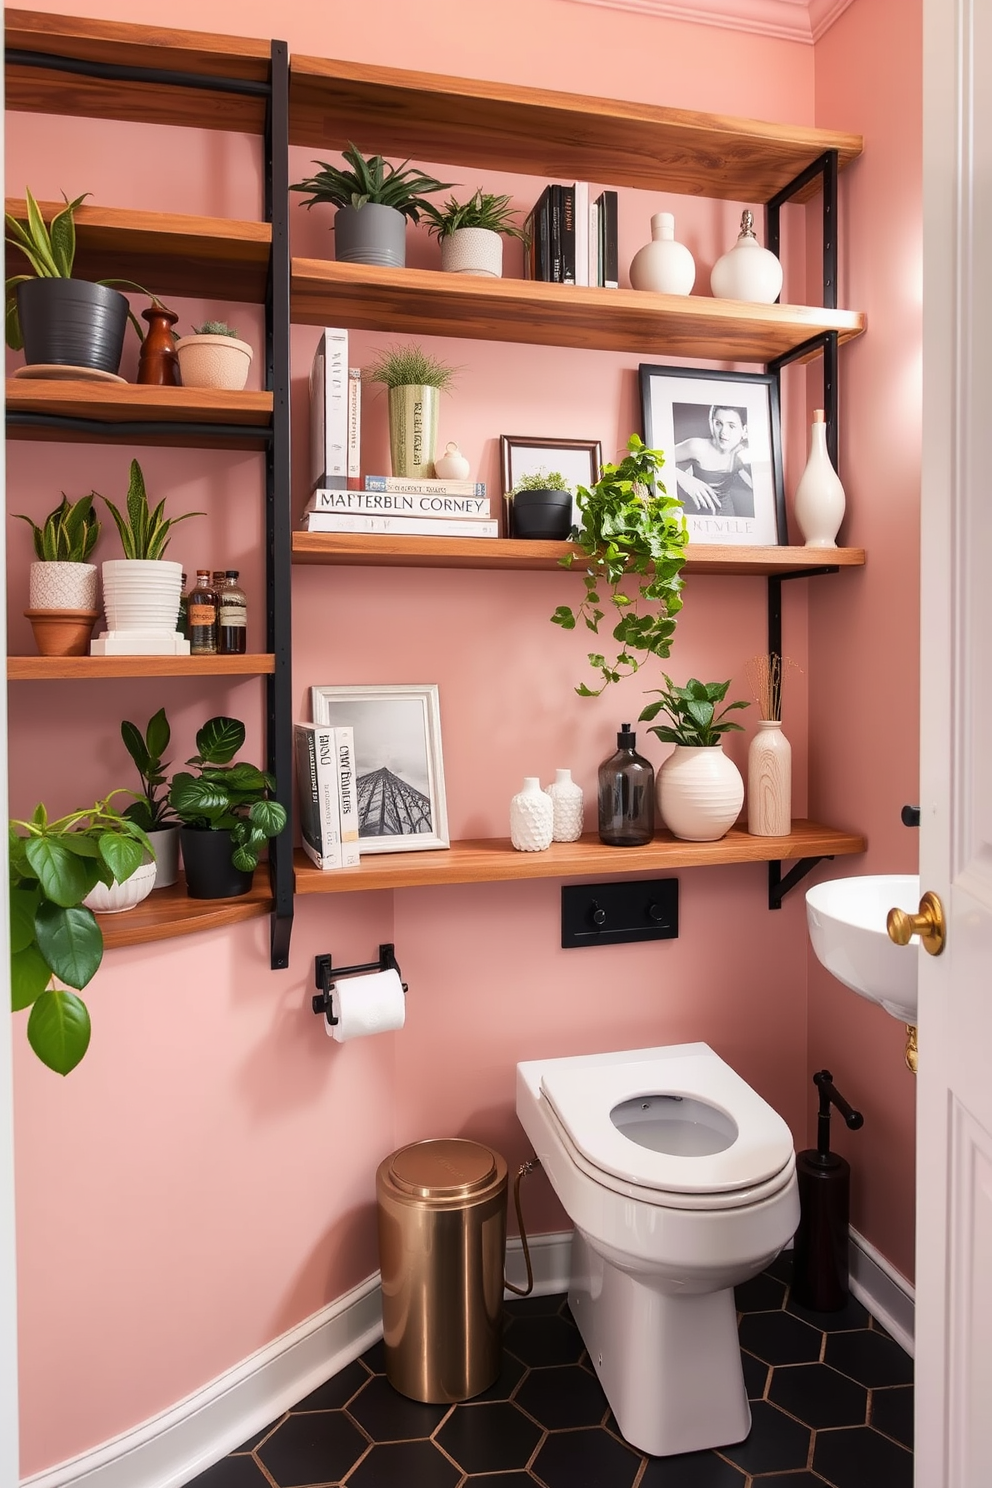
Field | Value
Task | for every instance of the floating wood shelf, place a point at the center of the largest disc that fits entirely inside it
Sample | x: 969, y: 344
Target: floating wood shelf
x: 107, y: 403
x: 168, y: 913
x: 491, y: 861
x: 89, y: 668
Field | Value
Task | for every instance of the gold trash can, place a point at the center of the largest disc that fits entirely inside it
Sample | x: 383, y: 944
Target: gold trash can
x: 442, y: 1240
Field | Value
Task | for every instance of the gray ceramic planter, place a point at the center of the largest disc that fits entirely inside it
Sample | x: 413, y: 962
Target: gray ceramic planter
x: 71, y: 322
x: 370, y: 235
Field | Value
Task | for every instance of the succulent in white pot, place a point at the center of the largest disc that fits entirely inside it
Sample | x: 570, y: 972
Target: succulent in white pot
x: 214, y: 357
x: 471, y: 233
x: 62, y: 588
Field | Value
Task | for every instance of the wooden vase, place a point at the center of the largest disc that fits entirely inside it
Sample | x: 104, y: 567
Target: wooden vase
x: 158, y: 364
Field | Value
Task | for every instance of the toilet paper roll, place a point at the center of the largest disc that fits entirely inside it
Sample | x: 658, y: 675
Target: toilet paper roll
x: 366, y: 1004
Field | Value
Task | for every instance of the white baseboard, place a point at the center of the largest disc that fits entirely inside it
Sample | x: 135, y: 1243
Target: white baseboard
x: 886, y: 1293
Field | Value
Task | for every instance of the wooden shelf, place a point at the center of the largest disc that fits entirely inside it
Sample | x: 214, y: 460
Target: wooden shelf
x: 428, y: 303
x: 107, y: 403
x: 89, y: 668
x: 491, y: 861
x: 208, y: 257
x: 38, y: 90
x: 367, y: 550
x: 168, y: 913
x: 465, y: 122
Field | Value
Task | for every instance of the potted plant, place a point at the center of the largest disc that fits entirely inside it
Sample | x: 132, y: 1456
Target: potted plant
x: 151, y: 810
x: 632, y: 538
x: 214, y: 357
x: 540, y: 506
x: 56, y: 319
x: 471, y: 233
x: 374, y: 200
x: 55, y: 867
x: 142, y: 590
x: 62, y: 584
x: 226, y: 813
x: 700, y: 791
x: 415, y: 380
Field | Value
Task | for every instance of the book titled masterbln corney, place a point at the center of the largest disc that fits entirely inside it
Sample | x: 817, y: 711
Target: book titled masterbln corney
x: 407, y: 499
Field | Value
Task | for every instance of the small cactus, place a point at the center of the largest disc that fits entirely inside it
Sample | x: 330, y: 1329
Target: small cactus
x: 214, y: 328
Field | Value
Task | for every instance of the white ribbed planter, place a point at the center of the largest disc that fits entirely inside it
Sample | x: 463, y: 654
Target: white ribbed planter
x: 142, y: 593
x: 214, y: 362
x: 62, y: 586
x: 473, y: 250
x: 700, y: 793
x: 116, y: 898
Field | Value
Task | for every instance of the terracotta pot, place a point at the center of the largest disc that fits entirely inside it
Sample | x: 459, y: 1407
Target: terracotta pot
x: 214, y: 362
x: 62, y: 632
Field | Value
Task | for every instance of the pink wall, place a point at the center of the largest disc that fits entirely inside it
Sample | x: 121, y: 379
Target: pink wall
x: 209, y: 1169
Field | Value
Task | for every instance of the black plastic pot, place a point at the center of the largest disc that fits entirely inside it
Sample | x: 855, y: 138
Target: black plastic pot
x: 372, y: 234
x: 210, y: 874
x: 71, y: 322
x: 541, y: 514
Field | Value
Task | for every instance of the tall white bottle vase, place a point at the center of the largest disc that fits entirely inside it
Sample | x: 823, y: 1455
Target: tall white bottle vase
x: 748, y: 272
x: 820, y: 501
x: 566, y: 801
x: 769, y: 781
x: 531, y: 817
x: 664, y: 266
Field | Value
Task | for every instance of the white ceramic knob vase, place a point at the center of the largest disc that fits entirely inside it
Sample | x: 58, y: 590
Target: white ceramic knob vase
x: 700, y: 793
x: 566, y: 802
x: 452, y: 465
x: 531, y: 817
x: 820, y: 502
x: 664, y: 266
x: 769, y: 781
x: 748, y: 272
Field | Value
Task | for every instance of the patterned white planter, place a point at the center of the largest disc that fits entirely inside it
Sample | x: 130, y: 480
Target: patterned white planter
x: 142, y: 593
x: 62, y: 586
x: 566, y: 801
x: 214, y: 362
x: 117, y: 897
x: 531, y: 817
x: 700, y: 793
x: 473, y: 250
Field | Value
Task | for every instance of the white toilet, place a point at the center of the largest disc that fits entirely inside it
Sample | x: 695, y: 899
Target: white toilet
x: 680, y: 1182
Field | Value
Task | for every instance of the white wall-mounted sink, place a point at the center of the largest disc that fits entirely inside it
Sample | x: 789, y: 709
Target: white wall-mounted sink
x: 846, y: 919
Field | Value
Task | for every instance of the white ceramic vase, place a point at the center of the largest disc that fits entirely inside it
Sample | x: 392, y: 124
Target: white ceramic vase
x: 820, y: 502
x: 452, y: 465
x: 473, y: 250
x: 142, y: 593
x: 664, y: 266
x: 165, y: 845
x: 566, y: 802
x: 769, y: 781
x: 117, y: 897
x: 748, y: 272
x: 62, y: 586
x: 531, y: 817
x: 700, y: 793
x: 214, y: 362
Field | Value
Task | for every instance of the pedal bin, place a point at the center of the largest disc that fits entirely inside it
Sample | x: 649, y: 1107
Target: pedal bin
x: 442, y: 1240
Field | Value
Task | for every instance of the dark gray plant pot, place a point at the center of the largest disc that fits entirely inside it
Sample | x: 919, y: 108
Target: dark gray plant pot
x: 210, y: 874
x: 370, y: 235
x: 70, y: 322
x: 541, y: 514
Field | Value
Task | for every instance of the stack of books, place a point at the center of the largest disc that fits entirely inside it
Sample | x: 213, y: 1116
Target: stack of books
x: 328, y: 790
x: 573, y: 240
x: 393, y: 504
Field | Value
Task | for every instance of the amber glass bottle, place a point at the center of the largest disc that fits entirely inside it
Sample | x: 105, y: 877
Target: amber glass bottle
x: 202, y: 616
x: 232, y: 617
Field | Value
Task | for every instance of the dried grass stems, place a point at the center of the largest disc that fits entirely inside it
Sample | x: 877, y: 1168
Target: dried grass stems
x: 765, y: 675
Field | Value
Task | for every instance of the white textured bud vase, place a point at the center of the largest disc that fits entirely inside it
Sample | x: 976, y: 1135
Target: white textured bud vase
x: 769, y: 781
x: 700, y: 793
x: 820, y: 502
x: 532, y: 817
x: 664, y: 266
x: 452, y: 465
x: 748, y: 272
x: 566, y: 802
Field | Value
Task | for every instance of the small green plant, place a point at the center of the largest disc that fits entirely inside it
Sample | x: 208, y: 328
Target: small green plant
x: 227, y: 797
x: 692, y: 715
x: 493, y: 213
x: 53, y: 936
x: 68, y: 534
x: 370, y: 180
x: 151, y: 809
x: 541, y: 480
x: 631, y: 531
x: 214, y: 328
x: 144, y: 533
x: 409, y: 366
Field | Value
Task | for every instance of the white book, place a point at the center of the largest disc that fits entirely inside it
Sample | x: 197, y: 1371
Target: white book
x: 320, y: 831
x: 413, y: 485
x: 329, y: 411
x: 399, y: 504
x: 347, y: 788
x: 354, y: 423
x: 582, y: 233
x: 417, y: 526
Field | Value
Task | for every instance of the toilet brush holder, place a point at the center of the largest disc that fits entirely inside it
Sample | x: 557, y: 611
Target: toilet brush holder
x: 820, y: 1266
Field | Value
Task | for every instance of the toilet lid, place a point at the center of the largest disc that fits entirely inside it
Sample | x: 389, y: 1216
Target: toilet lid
x: 726, y: 1137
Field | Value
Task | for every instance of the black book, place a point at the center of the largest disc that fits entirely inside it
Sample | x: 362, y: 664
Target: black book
x: 568, y: 234
x: 538, y: 226
x: 609, y: 252
x: 556, y: 234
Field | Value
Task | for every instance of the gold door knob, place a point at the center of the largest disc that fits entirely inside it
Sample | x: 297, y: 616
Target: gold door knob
x: 929, y: 925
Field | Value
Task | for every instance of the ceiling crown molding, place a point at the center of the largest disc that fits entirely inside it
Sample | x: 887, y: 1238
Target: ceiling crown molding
x: 791, y: 20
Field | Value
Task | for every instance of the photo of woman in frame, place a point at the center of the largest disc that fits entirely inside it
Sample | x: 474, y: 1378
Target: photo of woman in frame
x: 713, y: 471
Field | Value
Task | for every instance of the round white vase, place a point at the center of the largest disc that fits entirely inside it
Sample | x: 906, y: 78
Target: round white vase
x: 142, y: 593
x: 566, y: 802
x: 62, y: 586
x: 531, y: 817
x: 473, y: 250
x: 748, y: 272
x: 452, y: 465
x: 700, y: 793
x: 820, y: 502
x: 769, y: 781
x: 664, y: 266
x: 116, y: 897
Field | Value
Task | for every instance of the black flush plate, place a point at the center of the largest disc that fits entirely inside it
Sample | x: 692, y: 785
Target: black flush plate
x: 614, y: 913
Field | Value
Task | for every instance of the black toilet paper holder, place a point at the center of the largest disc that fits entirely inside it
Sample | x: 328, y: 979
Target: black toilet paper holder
x: 325, y: 975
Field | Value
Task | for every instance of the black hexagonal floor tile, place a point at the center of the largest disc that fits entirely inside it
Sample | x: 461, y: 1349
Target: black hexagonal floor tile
x: 818, y: 1396
x: 253, y: 1441
x: 403, y: 1464
x: 494, y: 1437
x: 511, y: 1372
x: 562, y: 1397
x: 892, y: 1413
x: 870, y: 1358
x: 691, y: 1470
x: 386, y: 1415
x: 781, y: 1267
x: 851, y: 1315
x: 501, y: 1480
x: 788, y: 1480
x: 755, y: 1375
x: 591, y: 1458
x: 318, y: 1447
x: 540, y: 1341
x: 337, y: 1391
x: 857, y: 1457
x: 779, y: 1338
x: 374, y: 1358
x: 761, y: 1294
x: 232, y: 1472
x: 776, y: 1442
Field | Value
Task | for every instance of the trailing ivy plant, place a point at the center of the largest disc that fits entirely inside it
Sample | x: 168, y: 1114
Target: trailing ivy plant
x: 144, y: 532
x: 691, y: 713
x: 370, y: 180
x: 632, y: 541
x: 225, y: 796
x: 54, y: 938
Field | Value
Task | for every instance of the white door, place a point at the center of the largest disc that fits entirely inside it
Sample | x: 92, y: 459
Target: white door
x: 954, y: 1204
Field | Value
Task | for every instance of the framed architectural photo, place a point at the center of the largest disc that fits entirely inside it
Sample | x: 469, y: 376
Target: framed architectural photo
x: 577, y: 460
x: 720, y: 433
x: 401, y: 806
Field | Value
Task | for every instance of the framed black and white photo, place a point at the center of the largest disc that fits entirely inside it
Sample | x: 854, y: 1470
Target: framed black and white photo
x: 401, y: 806
x: 720, y: 433
x: 576, y: 460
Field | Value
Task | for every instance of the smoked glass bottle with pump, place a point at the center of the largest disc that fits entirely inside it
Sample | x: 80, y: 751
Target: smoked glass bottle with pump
x: 626, y: 795
x: 202, y: 616
x: 232, y: 617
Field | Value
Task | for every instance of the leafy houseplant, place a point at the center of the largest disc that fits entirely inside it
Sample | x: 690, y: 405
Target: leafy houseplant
x: 226, y: 812
x: 633, y: 535
x: 151, y: 810
x: 62, y: 584
x: 471, y: 232
x: 414, y: 378
x: 54, y: 938
x: 700, y: 790
x: 214, y: 357
x: 541, y: 506
x: 374, y: 200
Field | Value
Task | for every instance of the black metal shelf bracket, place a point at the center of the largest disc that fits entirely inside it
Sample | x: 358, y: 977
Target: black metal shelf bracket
x: 826, y: 167
x: 780, y: 884
x: 126, y: 73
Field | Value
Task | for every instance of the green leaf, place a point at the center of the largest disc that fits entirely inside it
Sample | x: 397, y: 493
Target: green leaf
x: 122, y: 855
x: 269, y: 816
x: 71, y: 942
x: 65, y: 878
x: 158, y: 734
x: 191, y: 797
x: 135, y: 746
x: 220, y: 738
x: 23, y: 904
x: 30, y: 974
x: 59, y: 1030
